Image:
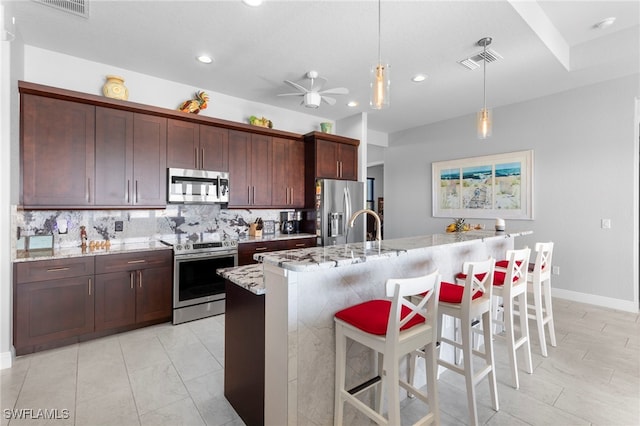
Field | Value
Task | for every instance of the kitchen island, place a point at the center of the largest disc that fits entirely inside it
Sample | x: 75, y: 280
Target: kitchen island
x: 304, y: 288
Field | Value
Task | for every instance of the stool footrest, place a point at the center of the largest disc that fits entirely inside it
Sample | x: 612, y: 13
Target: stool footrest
x: 365, y: 385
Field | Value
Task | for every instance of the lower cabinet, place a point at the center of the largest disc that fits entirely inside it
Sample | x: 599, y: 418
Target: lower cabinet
x: 64, y: 301
x: 138, y: 290
x: 247, y: 250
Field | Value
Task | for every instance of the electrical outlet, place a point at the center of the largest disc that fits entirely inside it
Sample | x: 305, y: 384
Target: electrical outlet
x: 119, y: 226
x: 605, y: 224
x: 555, y: 270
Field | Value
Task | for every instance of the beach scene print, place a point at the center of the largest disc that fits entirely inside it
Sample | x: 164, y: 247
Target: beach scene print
x: 508, y: 182
x: 449, y: 189
x: 476, y: 187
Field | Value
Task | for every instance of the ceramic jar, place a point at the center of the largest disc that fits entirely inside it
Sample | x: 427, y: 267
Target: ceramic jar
x: 115, y: 88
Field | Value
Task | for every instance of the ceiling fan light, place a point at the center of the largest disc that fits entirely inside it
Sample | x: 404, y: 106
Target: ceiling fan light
x: 312, y: 100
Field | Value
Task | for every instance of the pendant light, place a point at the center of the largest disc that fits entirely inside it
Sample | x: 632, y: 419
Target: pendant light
x: 380, y: 78
x: 484, y: 119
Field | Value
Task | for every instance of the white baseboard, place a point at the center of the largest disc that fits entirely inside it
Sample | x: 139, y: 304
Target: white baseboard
x: 605, y: 302
x: 6, y: 359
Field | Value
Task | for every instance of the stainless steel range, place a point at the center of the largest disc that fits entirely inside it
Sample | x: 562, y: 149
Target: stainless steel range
x: 198, y: 292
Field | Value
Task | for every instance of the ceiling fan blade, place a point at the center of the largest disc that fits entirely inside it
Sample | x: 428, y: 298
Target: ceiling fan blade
x: 290, y: 94
x: 336, y: 91
x: 329, y: 100
x: 296, y: 86
x: 318, y: 83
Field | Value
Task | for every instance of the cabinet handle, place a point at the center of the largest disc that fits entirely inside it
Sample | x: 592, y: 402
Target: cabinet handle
x: 261, y: 248
x: 57, y: 269
x: 88, y: 190
x: 248, y: 195
x: 136, y: 261
x: 131, y: 279
x: 136, y: 198
x: 89, y: 286
x: 253, y: 195
x: 140, y: 278
x: 126, y: 191
x: 338, y: 168
x: 197, y: 159
x: 202, y: 158
x: 301, y: 245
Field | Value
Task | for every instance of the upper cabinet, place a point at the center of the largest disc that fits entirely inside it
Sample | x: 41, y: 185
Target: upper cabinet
x: 250, y: 169
x: 197, y: 146
x: 331, y: 156
x: 288, y: 173
x: 57, y: 152
x: 130, y: 162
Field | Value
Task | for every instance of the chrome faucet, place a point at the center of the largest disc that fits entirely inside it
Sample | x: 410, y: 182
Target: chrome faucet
x: 374, y: 214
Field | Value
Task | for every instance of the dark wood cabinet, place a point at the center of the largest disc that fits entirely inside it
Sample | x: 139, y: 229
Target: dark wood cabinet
x: 331, y: 156
x: 250, y: 169
x: 130, y: 159
x: 133, y: 288
x: 288, y: 173
x: 247, y: 250
x: 53, y: 301
x: 57, y: 152
x: 197, y: 146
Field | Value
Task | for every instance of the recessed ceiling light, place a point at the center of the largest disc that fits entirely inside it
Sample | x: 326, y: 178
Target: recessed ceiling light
x: 352, y: 104
x: 205, y: 59
x: 605, y: 23
x: 252, y: 3
x: 418, y: 78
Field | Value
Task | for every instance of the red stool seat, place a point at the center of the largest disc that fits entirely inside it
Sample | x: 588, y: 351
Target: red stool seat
x: 373, y: 316
x: 498, y: 277
x: 452, y: 293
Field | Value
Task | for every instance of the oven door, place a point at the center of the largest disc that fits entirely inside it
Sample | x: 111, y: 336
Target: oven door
x: 195, y: 279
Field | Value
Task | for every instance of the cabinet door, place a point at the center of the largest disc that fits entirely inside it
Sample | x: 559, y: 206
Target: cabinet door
x: 326, y: 160
x: 154, y: 290
x: 348, y: 158
x: 114, y: 157
x: 182, y: 144
x: 214, y: 148
x: 296, y: 173
x: 47, y: 311
x: 261, y: 164
x: 239, y: 172
x: 149, y: 160
x: 280, y: 189
x: 57, y: 152
x: 115, y: 300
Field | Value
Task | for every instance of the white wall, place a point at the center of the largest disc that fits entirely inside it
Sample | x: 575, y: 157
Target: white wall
x: 377, y: 172
x: 584, y: 148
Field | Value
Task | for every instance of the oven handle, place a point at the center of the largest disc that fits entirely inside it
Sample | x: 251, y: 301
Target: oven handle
x: 215, y: 254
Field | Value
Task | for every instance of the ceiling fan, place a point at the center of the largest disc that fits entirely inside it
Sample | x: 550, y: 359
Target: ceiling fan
x: 314, y: 95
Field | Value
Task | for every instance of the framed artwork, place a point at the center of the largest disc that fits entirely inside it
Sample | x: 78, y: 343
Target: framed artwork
x: 491, y: 186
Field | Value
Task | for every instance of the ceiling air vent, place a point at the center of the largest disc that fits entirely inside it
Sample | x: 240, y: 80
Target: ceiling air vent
x: 74, y: 7
x: 474, y: 62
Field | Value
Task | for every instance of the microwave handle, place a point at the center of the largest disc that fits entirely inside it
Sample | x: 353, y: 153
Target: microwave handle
x: 218, y: 188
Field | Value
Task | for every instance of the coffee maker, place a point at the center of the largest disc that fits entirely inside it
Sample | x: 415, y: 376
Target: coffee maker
x: 290, y: 222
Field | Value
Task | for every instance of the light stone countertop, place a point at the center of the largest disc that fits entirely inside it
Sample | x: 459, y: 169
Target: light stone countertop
x: 68, y: 252
x: 314, y: 258
x: 249, y: 277
x: 275, y: 237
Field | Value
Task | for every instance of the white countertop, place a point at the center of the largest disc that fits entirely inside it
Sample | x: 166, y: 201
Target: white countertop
x: 68, y: 252
x: 249, y: 277
x: 314, y: 258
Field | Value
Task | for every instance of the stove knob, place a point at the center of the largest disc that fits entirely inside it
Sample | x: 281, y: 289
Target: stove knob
x: 178, y: 247
x: 187, y: 246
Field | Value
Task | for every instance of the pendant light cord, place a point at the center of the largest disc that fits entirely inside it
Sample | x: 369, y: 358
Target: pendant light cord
x: 379, y: 50
x: 484, y: 82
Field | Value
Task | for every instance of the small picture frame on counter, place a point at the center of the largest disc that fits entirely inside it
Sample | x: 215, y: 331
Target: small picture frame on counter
x: 269, y: 227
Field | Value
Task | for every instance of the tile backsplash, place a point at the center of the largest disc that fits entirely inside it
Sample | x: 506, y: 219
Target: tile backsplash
x: 137, y: 225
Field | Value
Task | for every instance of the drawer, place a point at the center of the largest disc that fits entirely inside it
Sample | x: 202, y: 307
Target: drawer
x: 133, y: 261
x: 42, y: 270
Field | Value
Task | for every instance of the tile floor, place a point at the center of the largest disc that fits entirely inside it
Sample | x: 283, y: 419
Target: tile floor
x: 173, y: 375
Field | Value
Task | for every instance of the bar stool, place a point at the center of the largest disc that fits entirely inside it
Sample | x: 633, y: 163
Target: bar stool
x: 539, y: 282
x: 465, y: 303
x: 510, y: 285
x: 393, y: 328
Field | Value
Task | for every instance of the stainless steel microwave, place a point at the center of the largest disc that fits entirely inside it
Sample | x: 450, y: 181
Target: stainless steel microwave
x: 189, y: 186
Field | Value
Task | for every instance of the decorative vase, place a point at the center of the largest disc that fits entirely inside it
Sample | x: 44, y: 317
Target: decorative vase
x: 115, y: 88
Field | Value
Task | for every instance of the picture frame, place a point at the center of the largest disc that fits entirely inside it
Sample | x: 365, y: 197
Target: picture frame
x: 491, y: 186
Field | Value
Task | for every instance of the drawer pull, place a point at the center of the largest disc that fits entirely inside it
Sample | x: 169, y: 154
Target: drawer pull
x: 301, y: 245
x: 131, y: 280
x: 136, y: 261
x: 261, y: 248
x: 89, y: 286
x: 58, y: 269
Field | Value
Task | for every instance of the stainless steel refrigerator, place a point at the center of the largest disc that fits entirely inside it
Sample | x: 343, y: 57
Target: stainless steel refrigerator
x: 336, y: 201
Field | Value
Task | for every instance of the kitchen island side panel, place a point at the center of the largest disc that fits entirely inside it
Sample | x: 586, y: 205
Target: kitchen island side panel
x: 310, y: 300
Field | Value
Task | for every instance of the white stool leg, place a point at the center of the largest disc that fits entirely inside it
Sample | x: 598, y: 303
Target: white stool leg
x: 467, y: 359
x: 431, y: 366
x: 510, y: 335
x: 380, y: 386
x: 341, y: 359
x: 549, y: 311
x: 392, y: 378
x: 488, y: 355
x: 524, y: 329
x: 539, y: 315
